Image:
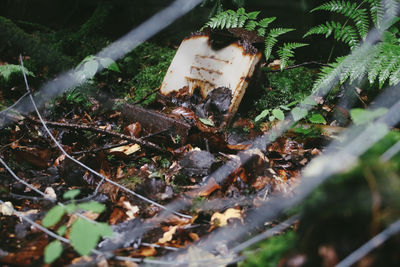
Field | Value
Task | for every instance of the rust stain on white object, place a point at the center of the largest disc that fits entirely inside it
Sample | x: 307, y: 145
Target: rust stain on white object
x: 197, y: 65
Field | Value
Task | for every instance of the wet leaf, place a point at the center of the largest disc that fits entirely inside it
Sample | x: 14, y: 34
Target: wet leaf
x: 109, y: 64
x: 52, y: 251
x: 207, y: 122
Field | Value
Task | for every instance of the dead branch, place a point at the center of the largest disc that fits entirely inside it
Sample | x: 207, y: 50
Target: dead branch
x: 298, y: 66
x: 82, y: 127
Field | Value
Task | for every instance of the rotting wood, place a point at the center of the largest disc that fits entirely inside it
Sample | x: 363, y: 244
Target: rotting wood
x: 154, y: 121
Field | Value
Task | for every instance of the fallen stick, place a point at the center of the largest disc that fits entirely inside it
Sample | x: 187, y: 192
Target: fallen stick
x: 83, y: 127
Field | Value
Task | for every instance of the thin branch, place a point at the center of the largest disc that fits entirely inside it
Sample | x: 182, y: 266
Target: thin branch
x: 84, y: 127
x: 147, y: 96
x: 103, y: 178
x: 6, y: 110
x: 99, y: 149
x: 375, y: 242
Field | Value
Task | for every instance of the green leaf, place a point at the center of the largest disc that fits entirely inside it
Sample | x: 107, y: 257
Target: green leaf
x: 298, y: 113
x: 262, y: 115
x: 92, y: 206
x: 362, y: 116
x: 53, y: 216
x: 253, y: 15
x: 62, y: 230
x: 207, y: 122
x: 309, y: 101
x: 84, y: 236
x: 71, y: 207
x: 104, y: 229
x: 52, y: 251
x: 317, y: 118
x: 71, y: 194
x: 278, y: 114
x: 109, y: 64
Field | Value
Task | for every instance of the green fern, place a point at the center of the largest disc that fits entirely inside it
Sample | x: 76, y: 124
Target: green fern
x: 286, y: 52
x: 9, y: 70
x: 380, y: 62
x: 241, y: 19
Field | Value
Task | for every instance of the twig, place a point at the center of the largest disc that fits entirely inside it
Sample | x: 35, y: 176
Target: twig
x: 4, y: 111
x: 147, y: 96
x: 103, y: 178
x: 83, y: 127
x: 299, y: 65
x: 375, y: 242
x: 99, y: 149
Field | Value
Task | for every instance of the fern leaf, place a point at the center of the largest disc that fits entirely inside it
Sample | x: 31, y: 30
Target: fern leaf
x: 241, y: 21
x: 253, y: 15
x: 286, y: 52
x: 271, y: 40
x: 265, y: 22
x: 350, y: 10
x: 376, y: 11
x: 395, y: 77
x: 8, y: 70
x: 346, y: 34
x: 261, y: 32
x: 251, y: 25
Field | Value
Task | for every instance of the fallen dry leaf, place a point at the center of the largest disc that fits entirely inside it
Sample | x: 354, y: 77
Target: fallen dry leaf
x: 168, y: 235
x: 127, y: 150
x: 221, y: 219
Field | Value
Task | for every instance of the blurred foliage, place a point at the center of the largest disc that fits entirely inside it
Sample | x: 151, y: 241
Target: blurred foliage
x: 270, y: 252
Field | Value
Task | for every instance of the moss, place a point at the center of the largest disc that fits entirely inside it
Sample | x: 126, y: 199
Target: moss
x: 13, y: 40
x: 147, y: 65
x: 284, y: 87
x: 271, y: 251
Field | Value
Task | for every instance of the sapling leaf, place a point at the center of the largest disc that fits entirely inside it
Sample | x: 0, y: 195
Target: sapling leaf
x: 52, y: 251
x: 109, y: 64
x: 62, y: 230
x: 71, y: 194
x: 84, y: 236
x: 262, y: 115
x: 278, y: 113
x: 317, y: 118
x: 53, y: 216
x: 92, y: 206
x: 298, y: 113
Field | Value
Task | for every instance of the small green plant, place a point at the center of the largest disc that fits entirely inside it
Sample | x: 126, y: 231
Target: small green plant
x: 131, y: 182
x: 84, y: 234
x: 8, y: 71
x: 89, y: 66
x: 240, y: 19
x: 217, y: 5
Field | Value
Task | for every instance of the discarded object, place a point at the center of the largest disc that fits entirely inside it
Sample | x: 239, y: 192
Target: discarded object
x: 197, y: 66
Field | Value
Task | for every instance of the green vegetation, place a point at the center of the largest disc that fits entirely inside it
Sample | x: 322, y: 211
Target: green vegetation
x: 10, y: 72
x: 84, y: 234
x: 240, y: 19
x: 378, y: 61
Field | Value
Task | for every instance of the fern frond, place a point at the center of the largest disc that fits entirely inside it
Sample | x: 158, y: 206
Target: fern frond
x: 8, y: 70
x: 271, y: 40
x: 376, y: 11
x: 286, y: 52
x: 251, y: 25
x: 350, y: 10
x: 265, y: 22
x: 346, y: 34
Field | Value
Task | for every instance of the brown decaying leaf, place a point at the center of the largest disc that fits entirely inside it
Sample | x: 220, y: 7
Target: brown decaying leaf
x: 134, y: 129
